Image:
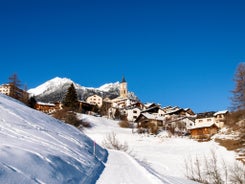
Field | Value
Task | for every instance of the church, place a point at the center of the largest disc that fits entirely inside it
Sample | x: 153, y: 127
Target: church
x: 122, y: 100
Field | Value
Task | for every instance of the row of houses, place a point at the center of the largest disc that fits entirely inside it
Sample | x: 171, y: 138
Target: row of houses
x: 150, y: 117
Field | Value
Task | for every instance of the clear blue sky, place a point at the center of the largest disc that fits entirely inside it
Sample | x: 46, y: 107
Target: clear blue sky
x: 172, y: 52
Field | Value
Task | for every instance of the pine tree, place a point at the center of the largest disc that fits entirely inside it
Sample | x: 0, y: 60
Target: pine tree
x: 238, y: 99
x: 32, y: 102
x: 70, y: 101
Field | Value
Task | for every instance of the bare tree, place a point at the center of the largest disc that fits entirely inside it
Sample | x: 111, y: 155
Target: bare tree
x: 238, y: 99
x: 111, y: 142
x: 15, y: 84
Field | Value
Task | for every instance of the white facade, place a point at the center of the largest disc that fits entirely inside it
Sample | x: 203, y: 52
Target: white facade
x: 95, y: 99
x: 5, y: 89
x: 132, y: 114
x: 209, y: 120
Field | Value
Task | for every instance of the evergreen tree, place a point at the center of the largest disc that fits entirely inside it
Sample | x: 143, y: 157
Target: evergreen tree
x: 32, y: 102
x: 70, y: 101
x: 238, y: 99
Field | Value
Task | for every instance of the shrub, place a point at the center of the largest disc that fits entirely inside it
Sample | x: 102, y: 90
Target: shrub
x: 70, y: 118
x: 206, y: 170
x: 124, y: 124
x: 111, y: 142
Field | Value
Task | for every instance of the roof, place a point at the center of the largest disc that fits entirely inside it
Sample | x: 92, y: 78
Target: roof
x: 46, y: 104
x: 123, y: 79
x: 205, y: 115
x: 152, y: 116
x: 221, y: 112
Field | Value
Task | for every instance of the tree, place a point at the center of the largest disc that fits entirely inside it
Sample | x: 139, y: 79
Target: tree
x: 238, y: 99
x: 70, y: 101
x: 32, y: 102
x: 15, y: 85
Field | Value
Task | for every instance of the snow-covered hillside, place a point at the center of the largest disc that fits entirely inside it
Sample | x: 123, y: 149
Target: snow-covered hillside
x: 56, y: 88
x: 36, y: 148
x: 161, y: 156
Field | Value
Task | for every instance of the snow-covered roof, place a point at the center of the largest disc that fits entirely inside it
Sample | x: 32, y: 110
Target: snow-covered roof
x: 153, y: 116
x: 47, y: 104
x: 220, y: 112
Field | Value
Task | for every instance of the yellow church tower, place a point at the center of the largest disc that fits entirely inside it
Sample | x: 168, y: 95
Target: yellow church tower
x: 123, y: 88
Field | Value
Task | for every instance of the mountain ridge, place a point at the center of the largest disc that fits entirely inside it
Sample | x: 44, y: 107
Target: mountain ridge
x: 56, y: 88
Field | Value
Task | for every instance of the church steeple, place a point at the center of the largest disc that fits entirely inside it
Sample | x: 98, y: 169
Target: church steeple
x: 123, y: 88
x: 123, y: 79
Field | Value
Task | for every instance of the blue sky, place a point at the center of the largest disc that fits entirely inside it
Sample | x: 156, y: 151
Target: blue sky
x: 171, y: 52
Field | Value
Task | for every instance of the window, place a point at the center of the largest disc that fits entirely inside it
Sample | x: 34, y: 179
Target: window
x: 134, y: 111
x: 209, y: 120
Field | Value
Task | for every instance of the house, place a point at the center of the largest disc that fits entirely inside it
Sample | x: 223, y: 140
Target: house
x: 153, y: 109
x: 86, y: 107
x: 47, y: 107
x: 95, y: 99
x: 149, y: 122
x: 204, y: 118
x: 220, y: 117
x: 133, y: 113
x: 203, y: 130
x: 14, y: 92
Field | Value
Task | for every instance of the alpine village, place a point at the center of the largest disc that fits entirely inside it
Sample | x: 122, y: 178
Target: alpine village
x: 120, y: 104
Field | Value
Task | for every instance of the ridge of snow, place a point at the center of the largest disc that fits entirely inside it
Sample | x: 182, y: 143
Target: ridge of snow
x: 49, y: 85
x: 107, y: 87
x: 36, y: 148
x: 57, y: 82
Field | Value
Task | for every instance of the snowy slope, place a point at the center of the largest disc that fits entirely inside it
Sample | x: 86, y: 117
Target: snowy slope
x: 36, y: 148
x: 161, y: 156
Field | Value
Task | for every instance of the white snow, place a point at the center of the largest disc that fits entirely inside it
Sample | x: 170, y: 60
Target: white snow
x: 109, y: 86
x: 122, y: 168
x: 50, y: 85
x: 36, y: 148
x: 58, y: 83
x: 161, y: 156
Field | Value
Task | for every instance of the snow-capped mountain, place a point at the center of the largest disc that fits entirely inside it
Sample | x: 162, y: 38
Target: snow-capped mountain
x: 56, y: 88
x: 36, y: 148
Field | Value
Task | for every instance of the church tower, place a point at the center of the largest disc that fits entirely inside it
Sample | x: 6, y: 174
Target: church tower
x: 123, y: 88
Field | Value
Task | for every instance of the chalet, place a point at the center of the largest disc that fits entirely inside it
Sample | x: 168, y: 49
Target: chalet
x: 204, y: 118
x: 154, y: 109
x: 220, y: 117
x: 150, y: 122
x: 203, y: 130
x: 95, y: 99
x: 86, y: 107
x: 47, y: 107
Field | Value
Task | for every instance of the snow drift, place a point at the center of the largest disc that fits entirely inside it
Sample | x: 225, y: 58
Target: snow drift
x: 36, y: 148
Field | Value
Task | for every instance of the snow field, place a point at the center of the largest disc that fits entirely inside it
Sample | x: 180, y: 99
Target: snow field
x: 161, y: 156
x: 36, y: 148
